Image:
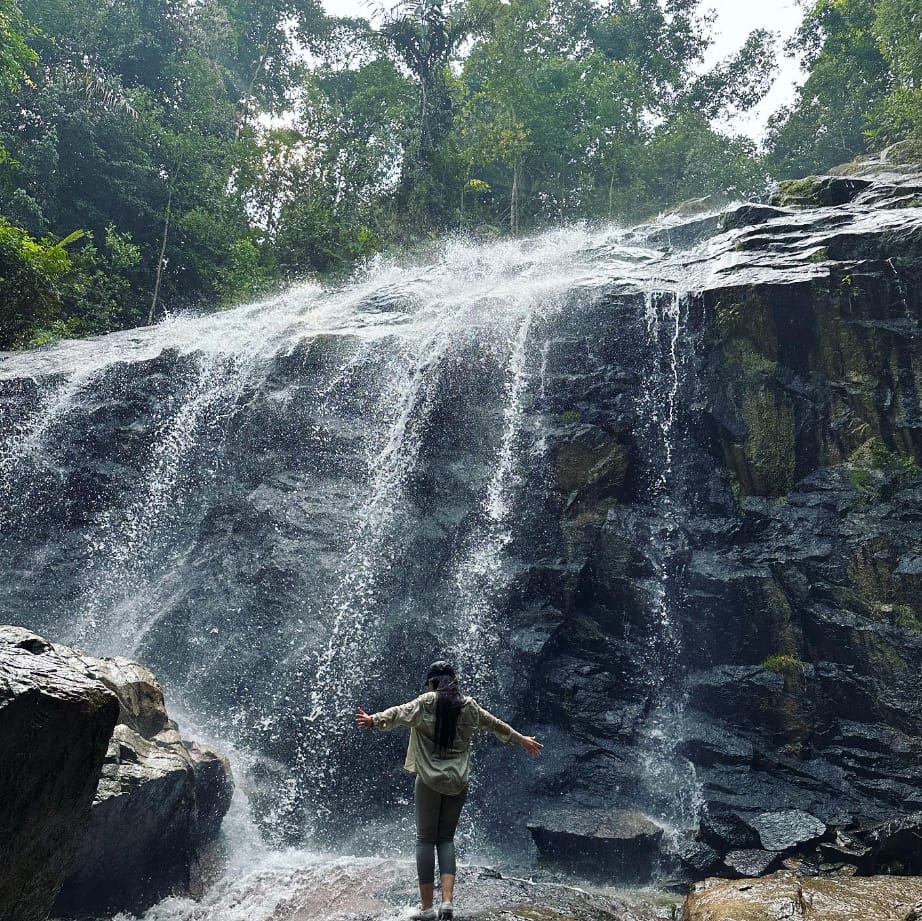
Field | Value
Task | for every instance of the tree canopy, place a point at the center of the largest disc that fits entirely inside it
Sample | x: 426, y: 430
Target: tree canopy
x: 160, y: 154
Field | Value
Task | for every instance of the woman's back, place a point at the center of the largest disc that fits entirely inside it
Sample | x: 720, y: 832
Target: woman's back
x: 447, y: 772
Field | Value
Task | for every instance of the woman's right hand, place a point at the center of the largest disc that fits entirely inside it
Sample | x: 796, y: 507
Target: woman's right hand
x: 531, y: 745
x: 363, y: 720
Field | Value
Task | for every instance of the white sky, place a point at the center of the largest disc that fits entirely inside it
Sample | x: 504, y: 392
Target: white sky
x: 735, y: 20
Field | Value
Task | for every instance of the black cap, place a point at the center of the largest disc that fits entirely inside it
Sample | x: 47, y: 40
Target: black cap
x: 437, y: 669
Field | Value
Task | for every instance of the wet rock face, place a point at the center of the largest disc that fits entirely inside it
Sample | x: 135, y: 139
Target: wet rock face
x: 671, y: 524
x: 796, y: 467
x: 159, y: 803
x: 55, y: 720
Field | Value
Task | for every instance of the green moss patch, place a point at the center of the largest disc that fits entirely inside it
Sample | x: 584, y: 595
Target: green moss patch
x: 770, y: 444
x: 783, y: 664
x: 797, y: 193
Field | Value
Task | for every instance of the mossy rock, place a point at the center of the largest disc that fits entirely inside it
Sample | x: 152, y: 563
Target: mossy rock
x: 883, y: 658
x: 903, y: 616
x: 817, y: 191
x: 870, y: 571
x: 740, y: 352
x: 818, y: 255
x: 873, y: 467
x: 579, y: 465
x: 769, y: 447
x: 903, y: 153
x: 796, y: 192
x: 747, y: 326
x: 785, y: 665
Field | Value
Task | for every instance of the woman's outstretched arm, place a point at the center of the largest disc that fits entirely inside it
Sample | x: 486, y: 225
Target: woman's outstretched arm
x: 505, y: 733
x: 407, y: 714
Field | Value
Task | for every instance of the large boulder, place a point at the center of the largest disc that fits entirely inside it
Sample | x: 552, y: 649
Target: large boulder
x: 159, y: 803
x: 56, y: 718
x: 787, y: 828
x: 620, y: 844
x: 786, y: 897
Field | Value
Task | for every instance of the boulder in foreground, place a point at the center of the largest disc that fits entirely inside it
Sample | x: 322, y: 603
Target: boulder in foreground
x: 160, y: 802
x: 786, y: 897
x: 56, y: 718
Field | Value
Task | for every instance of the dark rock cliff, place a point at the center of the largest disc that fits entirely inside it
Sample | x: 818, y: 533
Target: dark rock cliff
x: 659, y: 493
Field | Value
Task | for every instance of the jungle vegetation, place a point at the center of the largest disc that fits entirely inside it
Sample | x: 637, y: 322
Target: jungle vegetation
x: 162, y: 154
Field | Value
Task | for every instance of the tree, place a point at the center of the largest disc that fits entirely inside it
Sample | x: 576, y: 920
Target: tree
x: 842, y: 96
x: 425, y: 35
x: 355, y: 127
x: 261, y: 42
x: 563, y: 99
x: 898, y: 30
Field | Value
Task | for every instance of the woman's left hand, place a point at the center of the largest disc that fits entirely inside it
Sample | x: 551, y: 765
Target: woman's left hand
x: 531, y: 745
x: 363, y: 720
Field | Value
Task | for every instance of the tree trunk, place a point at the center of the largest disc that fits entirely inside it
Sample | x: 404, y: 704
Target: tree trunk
x: 166, y: 232
x: 245, y: 114
x: 514, y: 209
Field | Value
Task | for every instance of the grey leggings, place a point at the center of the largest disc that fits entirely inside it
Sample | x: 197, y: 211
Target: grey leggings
x: 436, y: 820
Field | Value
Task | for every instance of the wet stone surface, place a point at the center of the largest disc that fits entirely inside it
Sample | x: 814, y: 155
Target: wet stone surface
x: 362, y: 889
x: 784, y: 897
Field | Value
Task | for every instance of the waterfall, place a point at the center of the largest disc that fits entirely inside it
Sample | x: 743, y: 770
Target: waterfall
x: 288, y: 509
x: 477, y: 579
x: 668, y: 777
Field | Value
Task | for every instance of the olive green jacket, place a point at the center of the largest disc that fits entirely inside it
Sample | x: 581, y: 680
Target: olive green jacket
x: 448, y: 774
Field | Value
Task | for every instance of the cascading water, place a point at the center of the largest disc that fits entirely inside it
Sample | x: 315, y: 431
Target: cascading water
x: 478, y: 577
x: 668, y: 777
x: 289, y: 509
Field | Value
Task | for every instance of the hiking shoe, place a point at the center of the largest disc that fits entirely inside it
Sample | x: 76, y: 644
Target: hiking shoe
x: 423, y: 914
x: 446, y: 911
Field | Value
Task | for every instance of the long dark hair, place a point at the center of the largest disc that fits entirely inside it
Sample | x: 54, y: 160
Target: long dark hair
x: 448, y: 704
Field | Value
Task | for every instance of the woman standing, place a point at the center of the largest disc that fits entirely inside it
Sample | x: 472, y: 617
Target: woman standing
x: 441, y: 724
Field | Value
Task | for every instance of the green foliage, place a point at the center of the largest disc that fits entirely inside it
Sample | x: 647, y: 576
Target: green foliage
x: 53, y: 288
x: 898, y: 28
x: 559, y: 103
x: 247, y: 274
x: 882, y: 458
x: 782, y: 664
x: 864, y: 88
x: 837, y: 103
x: 33, y: 274
x: 16, y: 57
x: 907, y: 619
x: 874, y: 467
